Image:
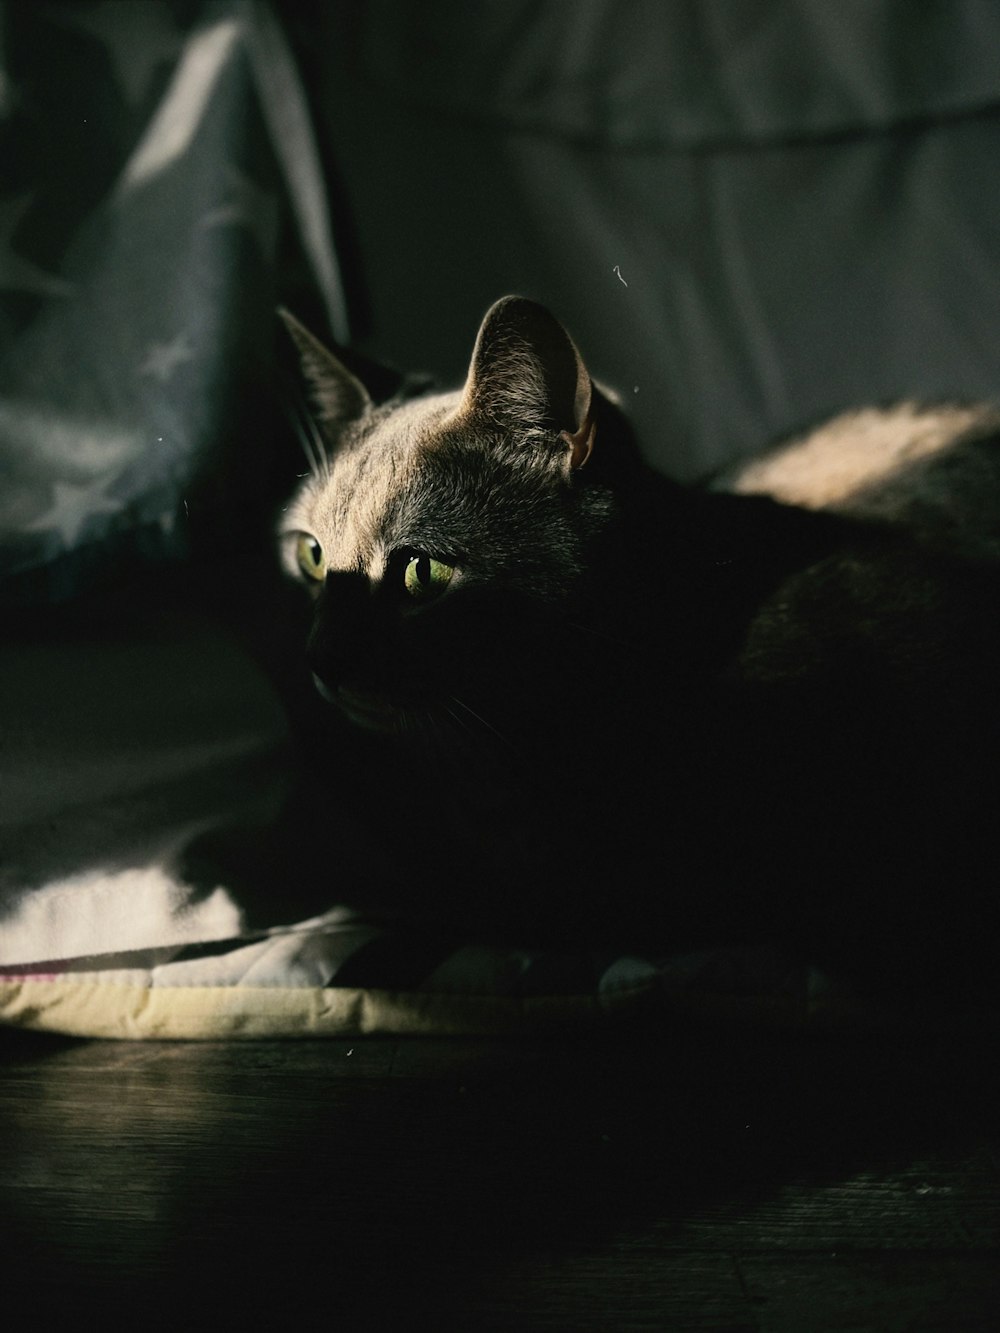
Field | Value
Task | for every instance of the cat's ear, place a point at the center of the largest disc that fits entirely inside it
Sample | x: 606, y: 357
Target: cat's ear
x: 526, y: 371
x: 337, y: 396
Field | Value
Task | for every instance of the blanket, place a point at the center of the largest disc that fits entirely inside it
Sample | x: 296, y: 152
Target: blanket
x: 123, y: 751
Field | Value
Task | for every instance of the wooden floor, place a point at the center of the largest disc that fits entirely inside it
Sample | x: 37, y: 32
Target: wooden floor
x: 727, y: 1183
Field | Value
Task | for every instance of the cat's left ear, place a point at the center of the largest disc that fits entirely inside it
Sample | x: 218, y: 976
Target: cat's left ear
x: 526, y: 371
x: 339, y: 397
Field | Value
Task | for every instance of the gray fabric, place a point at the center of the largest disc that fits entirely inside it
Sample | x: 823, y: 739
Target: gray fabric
x: 691, y: 73
x: 799, y: 197
x: 140, y: 211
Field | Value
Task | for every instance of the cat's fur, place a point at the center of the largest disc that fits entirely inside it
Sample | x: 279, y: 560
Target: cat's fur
x: 652, y: 716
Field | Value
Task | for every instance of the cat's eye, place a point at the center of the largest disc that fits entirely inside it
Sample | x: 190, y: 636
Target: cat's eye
x: 309, y: 555
x: 426, y: 577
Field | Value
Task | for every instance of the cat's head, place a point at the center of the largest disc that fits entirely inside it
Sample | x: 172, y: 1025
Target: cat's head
x: 443, y: 537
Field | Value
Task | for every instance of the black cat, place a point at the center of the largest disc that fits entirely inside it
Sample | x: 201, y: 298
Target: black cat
x: 590, y: 705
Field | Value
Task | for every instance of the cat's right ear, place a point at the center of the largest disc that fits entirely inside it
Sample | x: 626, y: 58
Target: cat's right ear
x: 526, y: 370
x: 338, y: 397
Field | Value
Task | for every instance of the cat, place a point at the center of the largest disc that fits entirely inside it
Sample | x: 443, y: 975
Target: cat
x: 585, y: 703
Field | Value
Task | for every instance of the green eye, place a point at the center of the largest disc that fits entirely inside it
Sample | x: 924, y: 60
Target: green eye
x: 309, y: 554
x: 427, y: 577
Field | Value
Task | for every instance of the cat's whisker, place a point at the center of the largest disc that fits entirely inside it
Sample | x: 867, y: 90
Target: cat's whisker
x: 464, y: 728
x: 465, y: 753
x: 478, y: 717
x: 314, y: 449
x: 310, y: 439
x: 446, y: 747
x: 406, y: 721
x: 422, y: 725
x: 307, y: 433
x: 429, y: 733
x: 460, y: 721
x: 600, y: 634
x: 311, y: 459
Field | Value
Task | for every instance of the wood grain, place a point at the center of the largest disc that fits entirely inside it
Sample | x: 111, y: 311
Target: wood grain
x: 656, y: 1183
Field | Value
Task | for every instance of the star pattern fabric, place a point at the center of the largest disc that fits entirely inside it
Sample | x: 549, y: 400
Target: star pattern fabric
x: 163, y: 359
x: 138, y: 275
x: 72, y: 508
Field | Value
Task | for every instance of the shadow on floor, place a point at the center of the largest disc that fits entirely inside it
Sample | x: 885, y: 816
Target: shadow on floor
x: 658, y: 1182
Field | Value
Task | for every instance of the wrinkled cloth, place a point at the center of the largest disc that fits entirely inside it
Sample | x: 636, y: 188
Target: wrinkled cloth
x: 147, y: 173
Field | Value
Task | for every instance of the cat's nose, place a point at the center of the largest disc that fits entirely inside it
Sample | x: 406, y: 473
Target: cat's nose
x: 341, y: 629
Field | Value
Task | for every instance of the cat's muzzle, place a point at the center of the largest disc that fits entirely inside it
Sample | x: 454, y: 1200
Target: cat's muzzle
x: 366, y: 710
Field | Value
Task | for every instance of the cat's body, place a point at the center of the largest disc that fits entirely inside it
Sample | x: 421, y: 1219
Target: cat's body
x: 604, y: 708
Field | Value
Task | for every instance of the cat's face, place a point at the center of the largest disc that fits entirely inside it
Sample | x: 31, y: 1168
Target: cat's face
x: 440, y: 537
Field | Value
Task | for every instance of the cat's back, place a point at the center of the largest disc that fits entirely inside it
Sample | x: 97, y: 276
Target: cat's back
x: 933, y: 470
x: 894, y: 611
